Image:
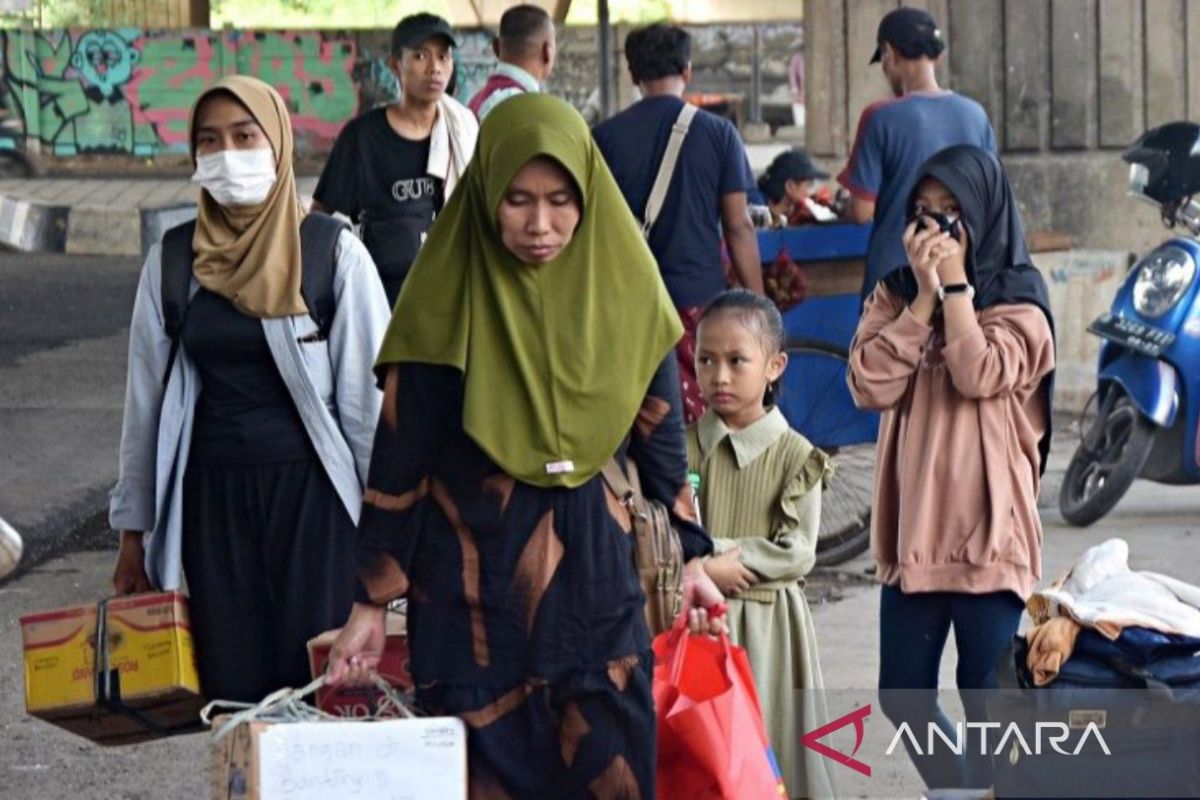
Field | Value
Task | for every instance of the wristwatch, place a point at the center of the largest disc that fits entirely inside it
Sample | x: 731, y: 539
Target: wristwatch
x: 956, y: 288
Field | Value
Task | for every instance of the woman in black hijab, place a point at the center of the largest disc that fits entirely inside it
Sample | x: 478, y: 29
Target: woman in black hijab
x: 956, y: 348
x: 998, y: 264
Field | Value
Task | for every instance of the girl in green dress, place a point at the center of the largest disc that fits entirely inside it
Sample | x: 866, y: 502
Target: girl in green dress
x: 760, y: 499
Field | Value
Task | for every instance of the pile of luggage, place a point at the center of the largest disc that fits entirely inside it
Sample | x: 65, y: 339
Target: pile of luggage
x: 1105, y: 688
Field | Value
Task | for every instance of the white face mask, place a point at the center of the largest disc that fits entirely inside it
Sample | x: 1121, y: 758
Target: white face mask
x: 237, y: 177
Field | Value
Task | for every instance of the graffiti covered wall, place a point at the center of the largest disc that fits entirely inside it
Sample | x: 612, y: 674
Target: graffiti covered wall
x: 129, y: 90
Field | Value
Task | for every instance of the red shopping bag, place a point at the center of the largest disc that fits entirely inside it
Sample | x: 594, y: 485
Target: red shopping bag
x: 712, y: 742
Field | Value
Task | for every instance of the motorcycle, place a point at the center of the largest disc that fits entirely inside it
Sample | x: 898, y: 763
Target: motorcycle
x: 1142, y: 421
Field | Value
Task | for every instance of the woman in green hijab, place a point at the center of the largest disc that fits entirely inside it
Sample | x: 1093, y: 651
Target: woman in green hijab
x: 532, y: 341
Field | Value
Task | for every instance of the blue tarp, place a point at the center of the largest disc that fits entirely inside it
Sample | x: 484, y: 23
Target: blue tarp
x: 813, y: 392
x: 815, y: 242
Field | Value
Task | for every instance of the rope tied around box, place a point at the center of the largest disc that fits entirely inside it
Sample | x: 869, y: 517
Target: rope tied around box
x: 289, y: 705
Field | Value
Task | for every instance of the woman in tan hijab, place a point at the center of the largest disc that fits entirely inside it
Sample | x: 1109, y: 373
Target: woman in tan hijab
x: 251, y: 406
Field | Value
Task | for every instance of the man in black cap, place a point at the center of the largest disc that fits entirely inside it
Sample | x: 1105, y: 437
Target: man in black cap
x: 895, y: 136
x: 392, y: 168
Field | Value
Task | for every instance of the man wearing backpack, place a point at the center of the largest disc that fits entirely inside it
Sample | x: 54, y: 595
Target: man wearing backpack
x: 685, y: 175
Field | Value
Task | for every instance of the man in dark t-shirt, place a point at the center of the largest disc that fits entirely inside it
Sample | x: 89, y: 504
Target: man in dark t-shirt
x: 378, y: 173
x: 377, y: 177
x: 707, y: 193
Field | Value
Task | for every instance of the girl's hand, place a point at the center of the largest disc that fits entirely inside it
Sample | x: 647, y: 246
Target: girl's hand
x: 925, y: 245
x: 358, y: 648
x: 952, y: 264
x: 729, y: 574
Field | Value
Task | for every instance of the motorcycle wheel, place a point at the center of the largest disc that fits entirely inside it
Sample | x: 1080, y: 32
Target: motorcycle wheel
x: 1106, y: 463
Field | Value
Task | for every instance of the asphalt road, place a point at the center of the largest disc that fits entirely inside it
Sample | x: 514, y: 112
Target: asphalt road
x: 50, y: 299
x: 63, y: 338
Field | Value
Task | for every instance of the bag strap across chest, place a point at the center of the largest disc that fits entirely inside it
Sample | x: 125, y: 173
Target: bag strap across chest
x: 318, y: 245
x: 666, y: 168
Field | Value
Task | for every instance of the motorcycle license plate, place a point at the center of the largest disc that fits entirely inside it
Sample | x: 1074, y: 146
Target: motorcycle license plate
x: 1137, y: 336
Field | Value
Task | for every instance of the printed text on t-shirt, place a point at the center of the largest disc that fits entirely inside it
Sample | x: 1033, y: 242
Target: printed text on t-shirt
x: 412, y: 189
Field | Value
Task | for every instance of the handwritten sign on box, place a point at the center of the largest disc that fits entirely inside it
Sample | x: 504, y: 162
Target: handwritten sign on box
x: 403, y: 759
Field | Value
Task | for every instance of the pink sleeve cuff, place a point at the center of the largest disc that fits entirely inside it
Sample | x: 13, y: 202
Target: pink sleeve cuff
x: 908, y: 326
x: 907, y: 335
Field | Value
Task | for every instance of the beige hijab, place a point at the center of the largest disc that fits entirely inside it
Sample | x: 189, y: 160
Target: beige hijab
x: 251, y: 255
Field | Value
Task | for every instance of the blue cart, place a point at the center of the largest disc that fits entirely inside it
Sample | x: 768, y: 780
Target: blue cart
x: 813, y: 392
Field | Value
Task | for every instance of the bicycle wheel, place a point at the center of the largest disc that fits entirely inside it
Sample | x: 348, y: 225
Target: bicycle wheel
x: 817, y: 403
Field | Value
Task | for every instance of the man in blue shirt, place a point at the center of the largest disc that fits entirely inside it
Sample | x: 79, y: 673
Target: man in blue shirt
x: 707, y: 193
x: 897, y: 135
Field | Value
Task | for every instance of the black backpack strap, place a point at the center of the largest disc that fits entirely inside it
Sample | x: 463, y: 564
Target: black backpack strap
x: 176, y: 284
x: 318, y: 246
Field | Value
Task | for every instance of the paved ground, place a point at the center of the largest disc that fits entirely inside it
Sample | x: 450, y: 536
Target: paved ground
x: 41, y: 762
x: 62, y: 352
x: 117, y: 194
x: 63, y: 324
x: 114, y: 193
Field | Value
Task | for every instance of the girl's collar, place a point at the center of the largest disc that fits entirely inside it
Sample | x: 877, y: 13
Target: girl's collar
x: 748, y: 443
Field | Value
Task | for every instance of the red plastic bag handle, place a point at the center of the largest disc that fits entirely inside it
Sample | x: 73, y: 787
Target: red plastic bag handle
x: 679, y: 637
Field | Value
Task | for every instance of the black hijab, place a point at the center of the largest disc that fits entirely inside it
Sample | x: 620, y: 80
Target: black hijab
x: 998, y: 262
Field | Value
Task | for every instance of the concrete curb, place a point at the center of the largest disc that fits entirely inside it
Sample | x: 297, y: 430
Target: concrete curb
x: 157, y: 221
x: 31, y: 226
x: 34, y: 227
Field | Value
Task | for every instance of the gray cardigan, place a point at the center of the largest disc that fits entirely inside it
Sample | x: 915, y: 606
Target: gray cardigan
x: 331, y: 383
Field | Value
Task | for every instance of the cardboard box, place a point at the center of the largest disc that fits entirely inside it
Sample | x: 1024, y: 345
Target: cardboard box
x: 419, y: 758
x: 362, y: 702
x: 141, y: 683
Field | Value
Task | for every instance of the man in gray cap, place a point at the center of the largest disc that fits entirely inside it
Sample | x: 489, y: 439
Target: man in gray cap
x: 896, y: 136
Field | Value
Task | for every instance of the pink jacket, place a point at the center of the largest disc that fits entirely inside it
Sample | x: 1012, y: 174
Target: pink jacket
x: 957, y: 472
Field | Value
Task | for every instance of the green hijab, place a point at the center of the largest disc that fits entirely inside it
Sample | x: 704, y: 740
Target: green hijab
x: 556, y: 358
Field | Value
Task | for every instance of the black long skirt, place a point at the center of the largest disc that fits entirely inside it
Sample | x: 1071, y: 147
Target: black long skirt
x: 269, y: 555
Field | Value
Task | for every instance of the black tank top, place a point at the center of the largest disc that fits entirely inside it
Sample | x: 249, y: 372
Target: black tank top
x: 245, y: 414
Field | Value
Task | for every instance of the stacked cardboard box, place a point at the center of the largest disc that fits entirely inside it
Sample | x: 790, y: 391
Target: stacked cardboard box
x: 362, y: 701
x: 116, y: 672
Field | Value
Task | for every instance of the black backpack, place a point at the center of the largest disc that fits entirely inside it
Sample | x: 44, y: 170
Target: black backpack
x: 318, y: 240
